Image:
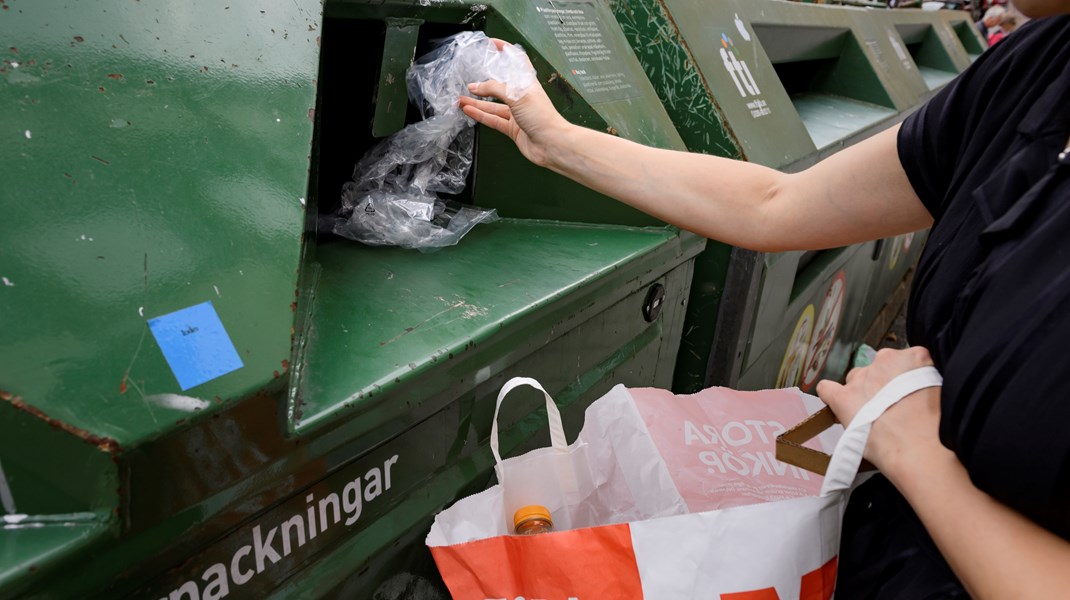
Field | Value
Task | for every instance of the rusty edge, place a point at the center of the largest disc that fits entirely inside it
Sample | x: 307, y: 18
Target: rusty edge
x: 105, y: 444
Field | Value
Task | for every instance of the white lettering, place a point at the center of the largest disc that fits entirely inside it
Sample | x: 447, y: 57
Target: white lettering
x: 332, y: 501
x: 374, y: 487
x: 235, y: 566
x: 691, y: 434
x: 731, y: 68
x: 386, y: 469
x: 216, y: 578
x: 748, y: 79
x: 745, y: 438
x: 296, y: 523
x: 758, y: 425
x: 759, y: 463
x: 710, y: 459
x: 352, y: 507
x: 263, y: 548
x: 735, y: 463
x: 311, y: 519
x: 712, y: 432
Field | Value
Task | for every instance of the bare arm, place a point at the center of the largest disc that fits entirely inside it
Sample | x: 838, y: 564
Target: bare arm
x: 995, y: 551
x: 859, y: 194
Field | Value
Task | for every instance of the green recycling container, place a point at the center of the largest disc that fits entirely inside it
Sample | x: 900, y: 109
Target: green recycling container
x: 201, y: 398
x: 786, y: 84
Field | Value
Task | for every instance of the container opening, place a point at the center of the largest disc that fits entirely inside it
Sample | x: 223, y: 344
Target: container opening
x: 362, y: 96
x: 811, y: 264
x: 968, y: 35
x: 829, y: 79
x: 929, y: 54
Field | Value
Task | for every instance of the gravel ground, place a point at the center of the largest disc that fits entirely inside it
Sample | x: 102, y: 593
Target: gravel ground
x: 897, y: 336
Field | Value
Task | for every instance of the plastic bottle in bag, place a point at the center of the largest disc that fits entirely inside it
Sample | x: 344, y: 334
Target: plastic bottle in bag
x: 533, y: 519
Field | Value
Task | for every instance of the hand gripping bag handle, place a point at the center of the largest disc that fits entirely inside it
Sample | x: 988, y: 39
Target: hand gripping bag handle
x: 557, y: 431
x: 847, y: 457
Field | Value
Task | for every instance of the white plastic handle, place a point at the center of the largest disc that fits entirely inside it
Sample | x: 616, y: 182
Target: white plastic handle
x: 557, y: 431
x: 846, y: 458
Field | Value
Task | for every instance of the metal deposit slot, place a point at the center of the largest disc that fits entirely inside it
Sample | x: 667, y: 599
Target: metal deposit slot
x: 829, y: 79
x: 929, y: 54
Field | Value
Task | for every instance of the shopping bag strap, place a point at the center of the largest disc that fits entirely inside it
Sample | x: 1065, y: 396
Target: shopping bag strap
x: 846, y: 458
x: 557, y: 431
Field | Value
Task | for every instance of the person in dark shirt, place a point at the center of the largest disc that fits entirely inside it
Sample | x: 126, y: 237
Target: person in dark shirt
x: 975, y: 492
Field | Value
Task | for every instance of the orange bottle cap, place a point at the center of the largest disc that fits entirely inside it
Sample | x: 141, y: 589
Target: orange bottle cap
x: 533, y: 511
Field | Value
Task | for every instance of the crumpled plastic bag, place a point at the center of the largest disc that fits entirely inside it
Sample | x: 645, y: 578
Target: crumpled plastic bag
x: 393, y: 198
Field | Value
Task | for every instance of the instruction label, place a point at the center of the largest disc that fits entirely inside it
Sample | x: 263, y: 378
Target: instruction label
x: 584, y: 41
x: 195, y: 344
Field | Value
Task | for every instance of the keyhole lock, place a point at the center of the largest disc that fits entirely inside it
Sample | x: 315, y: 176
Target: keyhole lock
x: 655, y: 300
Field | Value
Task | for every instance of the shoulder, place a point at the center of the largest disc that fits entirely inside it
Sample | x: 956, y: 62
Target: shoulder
x: 977, y: 116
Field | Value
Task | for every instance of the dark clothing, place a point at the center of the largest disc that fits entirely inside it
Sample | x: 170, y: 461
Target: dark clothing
x: 991, y: 302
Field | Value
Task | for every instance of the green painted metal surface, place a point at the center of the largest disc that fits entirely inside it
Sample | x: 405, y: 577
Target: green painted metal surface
x: 392, y: 98
x: 164, y: 156
x: 148, y: 171
x: 781, y: 84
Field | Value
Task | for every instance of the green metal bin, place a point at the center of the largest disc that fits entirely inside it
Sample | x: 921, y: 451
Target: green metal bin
x: 203, y: 399
x: 785, y: 84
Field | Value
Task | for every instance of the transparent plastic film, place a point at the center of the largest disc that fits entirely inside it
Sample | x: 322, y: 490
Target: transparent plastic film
x: 393, y: 198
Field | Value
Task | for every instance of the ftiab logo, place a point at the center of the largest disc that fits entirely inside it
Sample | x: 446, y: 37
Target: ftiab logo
x: 737, y: 68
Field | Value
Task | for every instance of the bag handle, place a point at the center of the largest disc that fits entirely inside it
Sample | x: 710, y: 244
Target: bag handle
x: 846, y: 458
x: 557, y: 431
x: 843, y: 466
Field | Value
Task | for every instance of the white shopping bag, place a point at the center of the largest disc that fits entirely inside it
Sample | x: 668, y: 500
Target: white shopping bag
x: 663, y: 497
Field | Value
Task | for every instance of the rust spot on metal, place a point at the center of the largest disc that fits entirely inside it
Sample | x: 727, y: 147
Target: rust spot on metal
x: 104, y: 444
x: 100, y: 89
x: 150, y: 82
x: 612, y: 131
x: 79, y: 38
x: 276, y: 374
x: 122, y: 385
x: 293, y: 307
x: 311, y: 115
x: 115, y: 75
x: 285, y: 365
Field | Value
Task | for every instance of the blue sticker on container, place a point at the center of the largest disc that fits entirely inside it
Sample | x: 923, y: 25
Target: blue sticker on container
x: 195, y: 344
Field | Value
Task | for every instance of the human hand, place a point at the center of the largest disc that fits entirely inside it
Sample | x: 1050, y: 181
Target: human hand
x: 531, y: 121
x: 909, y: 427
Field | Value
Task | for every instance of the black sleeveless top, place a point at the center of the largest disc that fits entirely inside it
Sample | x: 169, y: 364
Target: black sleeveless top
x: 991, y: 302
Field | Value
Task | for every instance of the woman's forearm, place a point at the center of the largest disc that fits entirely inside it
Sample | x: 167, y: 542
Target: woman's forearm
x: 995, y: 551
x: 857, y: 195
x: 718, y: 198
